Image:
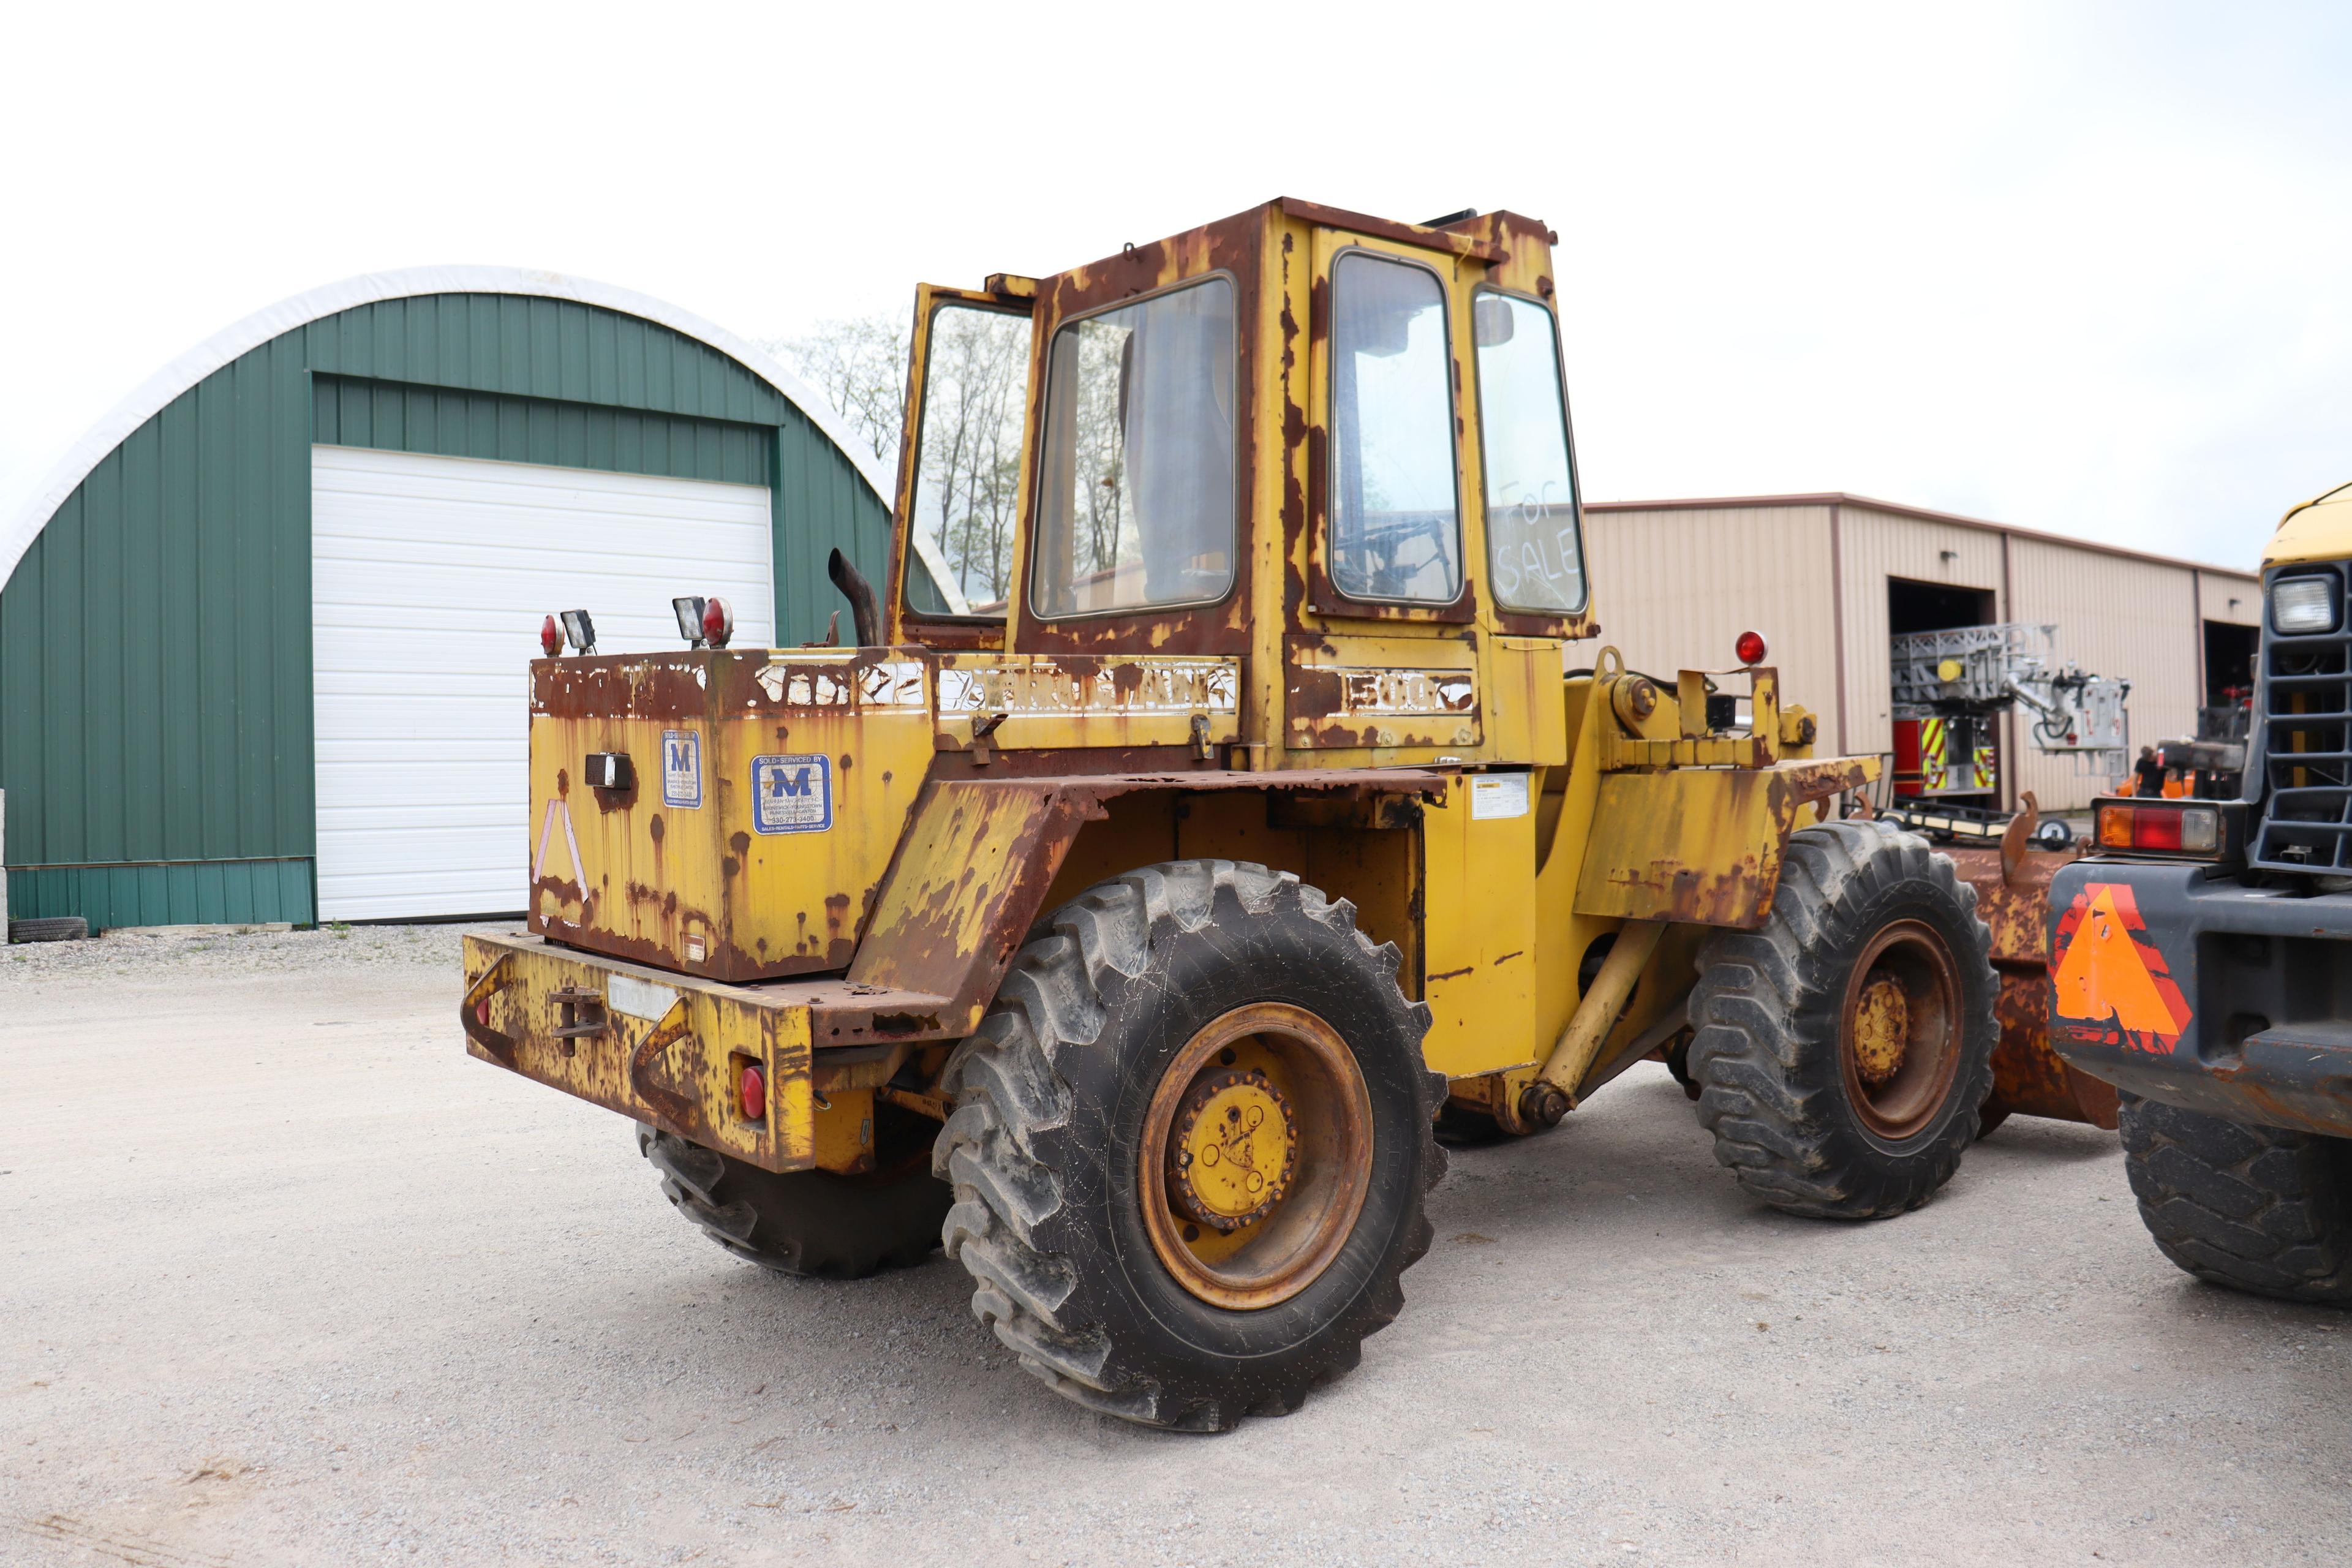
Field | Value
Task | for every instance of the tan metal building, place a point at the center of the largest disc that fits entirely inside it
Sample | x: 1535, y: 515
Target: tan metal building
x: 1828, y: 579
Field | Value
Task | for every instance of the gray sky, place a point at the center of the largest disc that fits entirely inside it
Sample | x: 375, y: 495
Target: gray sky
x: 2079, y: 268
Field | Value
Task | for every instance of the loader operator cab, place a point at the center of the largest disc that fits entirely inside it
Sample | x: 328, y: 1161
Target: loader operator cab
x: 1343, y: 418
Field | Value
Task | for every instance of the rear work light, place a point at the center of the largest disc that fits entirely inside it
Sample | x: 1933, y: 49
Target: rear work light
x: 687, y: 607
x: 580, y: 631
x: 2160, y: 827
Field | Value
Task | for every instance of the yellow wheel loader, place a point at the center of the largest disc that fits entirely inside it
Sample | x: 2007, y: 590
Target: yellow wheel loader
x: 1211, y: 810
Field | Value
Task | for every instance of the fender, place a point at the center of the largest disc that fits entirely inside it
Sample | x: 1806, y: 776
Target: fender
x: 1702, y: 846
x: 971, y: 875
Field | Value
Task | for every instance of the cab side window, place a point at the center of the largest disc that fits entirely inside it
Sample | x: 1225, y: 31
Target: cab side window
x: 1531, y: 521
x: 1395, y: 523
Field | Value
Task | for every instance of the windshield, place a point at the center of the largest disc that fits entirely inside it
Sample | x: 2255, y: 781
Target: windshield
x: 1135, y: 502
x: 1530, y: 489
x: 1395, y: 530
x: 968, y: 463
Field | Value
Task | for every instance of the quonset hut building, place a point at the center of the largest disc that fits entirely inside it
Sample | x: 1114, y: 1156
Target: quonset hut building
x: 263, y: 632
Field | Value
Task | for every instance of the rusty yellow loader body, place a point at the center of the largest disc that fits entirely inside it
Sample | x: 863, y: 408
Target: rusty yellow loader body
x: 1210, y: 815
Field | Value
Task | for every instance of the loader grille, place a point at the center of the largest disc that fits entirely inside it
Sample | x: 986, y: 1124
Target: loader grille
x: 2305, y: 692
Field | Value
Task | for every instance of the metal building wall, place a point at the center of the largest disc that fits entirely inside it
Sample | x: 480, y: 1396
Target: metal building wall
x: 2115, y: 616
x: 2232, y: 597
x: 1673, y: 584
x: 1874, y: 546
x: 1673, y: 588
x: 155, y: 639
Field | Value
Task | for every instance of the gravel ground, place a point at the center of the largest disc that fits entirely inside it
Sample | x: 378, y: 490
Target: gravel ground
x: 285, y: 1278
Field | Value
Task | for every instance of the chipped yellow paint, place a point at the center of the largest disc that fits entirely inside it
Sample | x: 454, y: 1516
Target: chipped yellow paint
x: 706, y: 879
x: 727, y: 1027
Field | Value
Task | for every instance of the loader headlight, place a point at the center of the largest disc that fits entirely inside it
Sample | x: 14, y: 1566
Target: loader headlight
x: 2302, y: 606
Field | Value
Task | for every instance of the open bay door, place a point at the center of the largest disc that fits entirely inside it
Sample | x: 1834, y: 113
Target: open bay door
x: 430, y: 577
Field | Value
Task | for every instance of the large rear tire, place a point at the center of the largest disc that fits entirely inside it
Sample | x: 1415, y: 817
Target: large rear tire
x: 2255, y: 1208
x: 1845, y: 1050
x: 814, y: 1223
x: 1112, y: 1240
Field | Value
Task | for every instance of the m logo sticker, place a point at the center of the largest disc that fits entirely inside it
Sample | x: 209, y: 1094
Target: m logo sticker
x: 792, y: 794
x: 681, y: 768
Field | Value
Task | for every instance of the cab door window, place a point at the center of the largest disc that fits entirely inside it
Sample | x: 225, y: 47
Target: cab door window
x: 1395, y: 524
x: 1532, y: 522
x: 966, y: 503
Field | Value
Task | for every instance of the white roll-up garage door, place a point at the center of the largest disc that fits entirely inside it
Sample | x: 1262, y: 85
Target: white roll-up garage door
x: 429, y: 578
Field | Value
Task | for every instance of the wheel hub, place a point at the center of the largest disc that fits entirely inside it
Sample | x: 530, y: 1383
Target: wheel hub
x: 1882, y: 1028
x: 1235, y: 1144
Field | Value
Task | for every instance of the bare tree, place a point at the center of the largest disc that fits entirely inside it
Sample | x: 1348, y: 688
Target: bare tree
x: 971, y: 458
x: 859, y: 363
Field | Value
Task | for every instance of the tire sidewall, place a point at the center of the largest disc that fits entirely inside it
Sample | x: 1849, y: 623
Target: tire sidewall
x: 1916, y: 899
x: 1241, y: 957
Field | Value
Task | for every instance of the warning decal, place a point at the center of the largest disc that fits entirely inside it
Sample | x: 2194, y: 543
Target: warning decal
x: 2106, y: 975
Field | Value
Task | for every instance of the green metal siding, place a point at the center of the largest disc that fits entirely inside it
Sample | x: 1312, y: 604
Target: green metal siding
x: 155, y: 640
x: 403, y: 418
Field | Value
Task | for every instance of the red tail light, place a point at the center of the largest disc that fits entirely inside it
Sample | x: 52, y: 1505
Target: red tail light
x: 1750, y: 647
x: 751, y: 1090
x: 718, y: 622
x: 2170, y: 829
x: 551, y: 636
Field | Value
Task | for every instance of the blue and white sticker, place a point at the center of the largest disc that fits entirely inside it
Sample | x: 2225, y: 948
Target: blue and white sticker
x: 792, y: 794
x: 682, y: 768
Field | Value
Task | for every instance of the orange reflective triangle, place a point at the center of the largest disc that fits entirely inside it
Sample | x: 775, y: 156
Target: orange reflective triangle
x: 2104, y: 974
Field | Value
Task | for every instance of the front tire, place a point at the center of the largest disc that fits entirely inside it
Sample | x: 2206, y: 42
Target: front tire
x: 1844, y: 1048
x: 2256, y: 1208
x: 1130, y: 1273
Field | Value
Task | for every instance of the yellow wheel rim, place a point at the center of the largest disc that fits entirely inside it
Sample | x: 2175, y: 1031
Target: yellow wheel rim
x: 1257, y: 1156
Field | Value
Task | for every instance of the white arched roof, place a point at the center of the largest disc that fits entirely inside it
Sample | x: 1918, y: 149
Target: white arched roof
x: 21, y: 519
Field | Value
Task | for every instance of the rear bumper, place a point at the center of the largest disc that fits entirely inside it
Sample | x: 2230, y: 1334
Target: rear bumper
x: 2209, y: 996
x: 663, y: 1048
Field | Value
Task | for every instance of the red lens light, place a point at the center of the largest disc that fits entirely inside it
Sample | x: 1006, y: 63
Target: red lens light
x: 1750, y: 647
x: 551, y: 636
x: 2155, y: 830
x: 718, y: 622
x: 751, y: 1089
